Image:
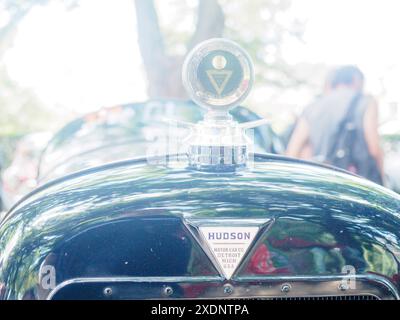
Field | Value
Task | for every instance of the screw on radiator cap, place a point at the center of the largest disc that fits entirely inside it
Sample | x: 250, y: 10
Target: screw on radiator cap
x: 168, y: 291
x: 108, y: 292
x: 286, y: 287
x: 228, y: 289
x: 343, y: 287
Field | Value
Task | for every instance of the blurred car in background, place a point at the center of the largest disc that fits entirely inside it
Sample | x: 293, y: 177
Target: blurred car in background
x: 390, y: 133
x: 132, y: 130
x: 19, y: 177
x: 108, y: 135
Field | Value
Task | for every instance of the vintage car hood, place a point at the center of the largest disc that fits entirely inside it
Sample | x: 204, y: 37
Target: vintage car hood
x: 129, y: 131
x: 316, y: 222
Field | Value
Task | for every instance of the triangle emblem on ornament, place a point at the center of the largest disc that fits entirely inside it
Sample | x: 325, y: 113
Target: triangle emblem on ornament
x: 219, y: 79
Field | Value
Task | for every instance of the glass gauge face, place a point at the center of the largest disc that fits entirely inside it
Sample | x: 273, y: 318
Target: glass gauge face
x: 218, y: 74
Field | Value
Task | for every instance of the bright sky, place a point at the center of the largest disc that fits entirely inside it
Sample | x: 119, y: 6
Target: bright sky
x: 88, y: 57
x: 81, y: 59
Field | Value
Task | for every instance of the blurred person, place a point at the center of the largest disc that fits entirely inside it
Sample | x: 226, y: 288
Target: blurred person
x: 341, y: 127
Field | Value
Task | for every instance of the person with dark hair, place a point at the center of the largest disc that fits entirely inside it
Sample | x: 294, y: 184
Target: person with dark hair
x: 347, y: 76
x: 341, y: 127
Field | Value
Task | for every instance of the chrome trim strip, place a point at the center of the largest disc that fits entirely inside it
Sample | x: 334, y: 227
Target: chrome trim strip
x: 227, y: 222
x: 365, y: 277
x: 131, y: 279
x: 264, y: 287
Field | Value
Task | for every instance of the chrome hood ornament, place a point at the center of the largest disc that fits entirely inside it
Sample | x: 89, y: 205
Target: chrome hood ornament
x: 218, y: 75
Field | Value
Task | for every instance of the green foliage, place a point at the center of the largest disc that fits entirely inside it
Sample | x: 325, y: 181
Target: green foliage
x: 177, y: 20
x: 21, y: 111
x: 260, y: 26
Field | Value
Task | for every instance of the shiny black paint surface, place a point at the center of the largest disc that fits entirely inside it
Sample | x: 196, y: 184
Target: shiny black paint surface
x: 133, y: 130
x: 322, y: 219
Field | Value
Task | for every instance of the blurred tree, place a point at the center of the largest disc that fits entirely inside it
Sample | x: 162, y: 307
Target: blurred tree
x: 163, y: 69
x: 260, y: 26
x: 21, y: 111
x: 14, y: 11
x: 263, y: 27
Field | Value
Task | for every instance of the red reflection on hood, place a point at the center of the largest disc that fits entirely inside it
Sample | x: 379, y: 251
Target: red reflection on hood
x: 261, y: 262
x: 299, y: 243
